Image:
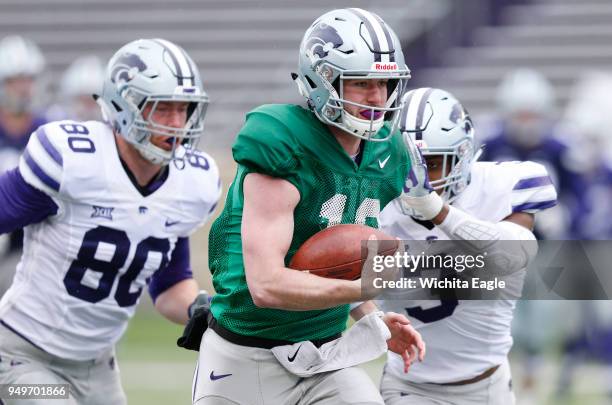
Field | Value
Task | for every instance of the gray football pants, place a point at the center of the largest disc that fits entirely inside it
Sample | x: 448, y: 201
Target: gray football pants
x: 230, y: 374
x: 92, y: 382
x: 493, y: 390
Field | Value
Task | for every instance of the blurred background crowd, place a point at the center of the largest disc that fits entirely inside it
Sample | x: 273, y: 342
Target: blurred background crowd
x: 536, y: 76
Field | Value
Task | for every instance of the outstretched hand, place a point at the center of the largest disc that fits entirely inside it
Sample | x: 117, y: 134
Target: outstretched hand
x: 405, y: 340
x: 418, y: 199
x: 417, y: 182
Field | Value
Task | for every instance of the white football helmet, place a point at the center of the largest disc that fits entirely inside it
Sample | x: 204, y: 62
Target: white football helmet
x: 349, y: 44
x: 19, y: 57
x: 526, y: 101
x: 525, y: 89
x: 83, y: 78
x: 588, y: 113
x: 153, y: 71
x: 440, y: 126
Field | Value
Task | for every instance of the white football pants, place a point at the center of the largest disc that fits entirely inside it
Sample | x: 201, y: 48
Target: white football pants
x: 240, y: 375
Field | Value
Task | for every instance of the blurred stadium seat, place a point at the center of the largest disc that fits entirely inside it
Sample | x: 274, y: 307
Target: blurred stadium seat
x: 560, y: 38
x: 245, y: 49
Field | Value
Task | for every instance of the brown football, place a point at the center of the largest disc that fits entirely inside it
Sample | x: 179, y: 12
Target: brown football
x: 336, y: 252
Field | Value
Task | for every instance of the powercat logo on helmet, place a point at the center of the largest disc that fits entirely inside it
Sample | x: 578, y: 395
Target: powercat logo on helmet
x: 384, y: 66
x: 126, y: 67
x: 321, y: 40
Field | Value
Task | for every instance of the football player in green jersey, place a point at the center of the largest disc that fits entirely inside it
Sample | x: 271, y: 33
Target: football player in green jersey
x: 273, y: 336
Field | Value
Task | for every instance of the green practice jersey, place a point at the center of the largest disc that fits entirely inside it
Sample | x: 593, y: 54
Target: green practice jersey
x: 289, y: 142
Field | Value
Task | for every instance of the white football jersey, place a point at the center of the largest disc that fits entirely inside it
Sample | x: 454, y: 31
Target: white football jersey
x: 464, y: 338
x: 83, y: 270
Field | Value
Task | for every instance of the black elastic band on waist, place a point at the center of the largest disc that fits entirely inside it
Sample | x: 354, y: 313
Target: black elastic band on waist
x: 254, y: 341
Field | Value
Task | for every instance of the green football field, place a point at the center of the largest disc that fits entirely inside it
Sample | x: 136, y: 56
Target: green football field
x: 155, y: 371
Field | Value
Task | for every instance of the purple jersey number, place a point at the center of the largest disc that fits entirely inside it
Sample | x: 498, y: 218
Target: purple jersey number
x: 109, y: 270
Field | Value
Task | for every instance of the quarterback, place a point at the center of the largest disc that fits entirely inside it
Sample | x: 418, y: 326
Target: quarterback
x: 449, y: 195
x: 107, y: 208
x: 299, y: 171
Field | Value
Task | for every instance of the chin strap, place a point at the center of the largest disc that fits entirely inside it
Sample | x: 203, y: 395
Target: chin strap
x: 359, y: 126
x: 509, y: 247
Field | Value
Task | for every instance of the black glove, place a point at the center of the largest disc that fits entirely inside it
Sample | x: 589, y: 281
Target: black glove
x: 201, y: 301
x: 198, y: 322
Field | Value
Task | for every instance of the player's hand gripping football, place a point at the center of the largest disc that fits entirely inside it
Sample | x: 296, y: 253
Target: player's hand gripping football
x: 376, y: 271
x: 418, y: 199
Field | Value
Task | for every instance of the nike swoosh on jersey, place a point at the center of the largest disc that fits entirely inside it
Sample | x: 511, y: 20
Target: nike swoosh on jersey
x: 214, y: 377
x: 170, y: 223
x: 384, y: 162
x: 294, y: 354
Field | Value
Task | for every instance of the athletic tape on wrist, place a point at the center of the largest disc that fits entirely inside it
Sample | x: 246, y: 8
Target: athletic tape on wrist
x: 428, y: 206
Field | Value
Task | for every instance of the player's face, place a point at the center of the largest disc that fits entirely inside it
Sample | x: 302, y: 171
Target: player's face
x: 527, y: 128
x: 435, y: 168
x: 20, y: 90
x: 168, y: 113
x: 371, y: 92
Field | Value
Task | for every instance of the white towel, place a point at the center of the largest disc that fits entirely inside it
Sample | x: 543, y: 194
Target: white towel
x: 365, y: 341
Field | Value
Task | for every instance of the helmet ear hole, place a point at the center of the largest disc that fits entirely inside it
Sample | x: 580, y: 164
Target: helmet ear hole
x: 468, y: 125
x: 311, y: 83
x: 117, y: 107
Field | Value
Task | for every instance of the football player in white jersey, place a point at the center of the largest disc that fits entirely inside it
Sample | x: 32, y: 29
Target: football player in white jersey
x: 449, y: 195
x: 108, y: 208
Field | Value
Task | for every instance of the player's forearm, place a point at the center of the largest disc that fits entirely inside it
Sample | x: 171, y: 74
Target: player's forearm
x: 267, y: 231
x: 509, y: 246
x: 363, y: 309
x: 173, y: 303
x: 289, y: 289
x: 438, y: 219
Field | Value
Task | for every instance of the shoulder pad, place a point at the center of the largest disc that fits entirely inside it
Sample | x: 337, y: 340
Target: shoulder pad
x: 42, y: 162
x: 266, y: 143
x: 51, y: 149
x: 532, y: 188
x: 527, y: 183
x: 204, y: 183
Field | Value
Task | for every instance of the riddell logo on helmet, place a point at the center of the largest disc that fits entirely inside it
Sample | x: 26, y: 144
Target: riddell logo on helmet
x: 388, y: 66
